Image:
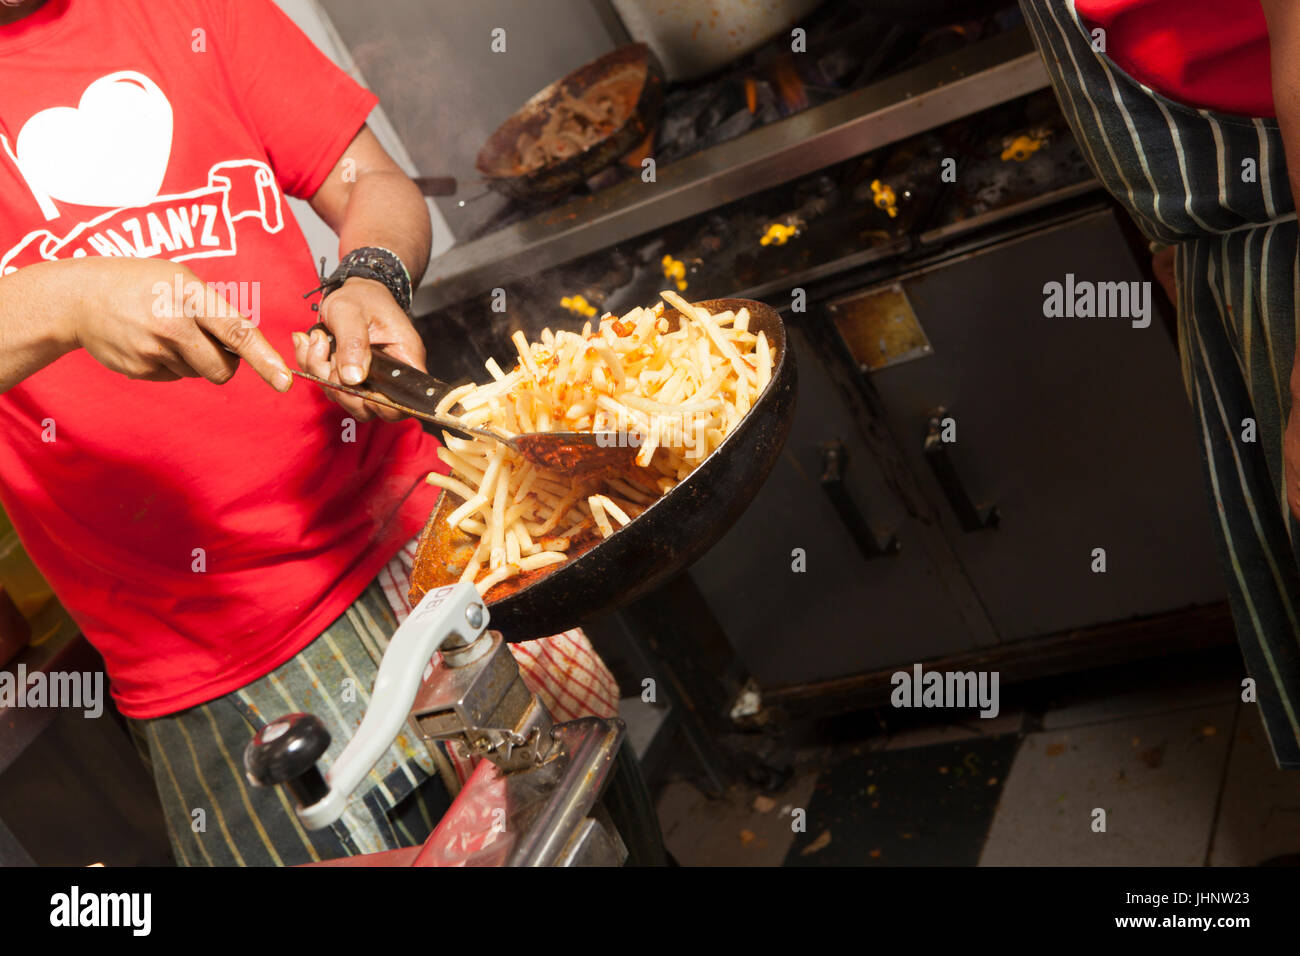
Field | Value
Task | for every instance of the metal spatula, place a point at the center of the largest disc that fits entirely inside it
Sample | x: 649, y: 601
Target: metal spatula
x: 406, y: 389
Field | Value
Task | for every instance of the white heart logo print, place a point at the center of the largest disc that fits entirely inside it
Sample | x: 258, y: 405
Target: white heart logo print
x: 111, y: 150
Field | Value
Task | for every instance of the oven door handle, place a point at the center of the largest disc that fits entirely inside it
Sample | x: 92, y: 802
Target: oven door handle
x: 971, y: 516
x: 835, y: 461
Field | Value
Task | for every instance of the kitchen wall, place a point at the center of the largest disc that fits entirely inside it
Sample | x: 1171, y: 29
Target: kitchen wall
x: 312, y: 20
x: 431, y: 64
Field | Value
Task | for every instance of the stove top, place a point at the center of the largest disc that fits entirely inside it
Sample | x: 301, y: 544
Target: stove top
x: 848, y: 47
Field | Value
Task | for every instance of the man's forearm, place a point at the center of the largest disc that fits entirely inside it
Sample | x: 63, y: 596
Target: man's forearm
x: 36, y: 305
x: 385, y: 208
x: 369, y: 201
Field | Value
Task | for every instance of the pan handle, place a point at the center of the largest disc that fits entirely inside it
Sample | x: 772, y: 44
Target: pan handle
x: 436, y: 185
x: 971, y: 516
x: 397, y: 381
x: 835, y: 460
x: 403, y: 383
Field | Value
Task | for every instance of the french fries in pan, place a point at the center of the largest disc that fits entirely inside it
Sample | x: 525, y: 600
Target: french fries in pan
x: 675, y: 387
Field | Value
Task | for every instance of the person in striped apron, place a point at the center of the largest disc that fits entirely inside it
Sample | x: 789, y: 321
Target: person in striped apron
x: 235, y: 547
x: 1172, y: 105
x: 197, y: 754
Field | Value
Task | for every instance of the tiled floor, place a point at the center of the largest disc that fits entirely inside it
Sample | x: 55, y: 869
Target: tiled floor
x: 1155, y: 778
x: 1180, y: 767
x: 1259, y: 814
x: 744, y: 829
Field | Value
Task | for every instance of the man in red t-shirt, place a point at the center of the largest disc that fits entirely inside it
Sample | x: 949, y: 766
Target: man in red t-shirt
x: 229, y: 550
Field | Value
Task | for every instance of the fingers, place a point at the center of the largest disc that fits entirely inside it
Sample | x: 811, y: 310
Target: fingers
x: 384, y: 412
x: 391, y: 329
x: 300, y: 345
x: 313, y: 354
x: 205, y: 357
x: 161, y: 375
x: 351, y: 331
x: 156, y: 360
x: 360, y: 316
x: 410, y: 350
x: 224, y: 323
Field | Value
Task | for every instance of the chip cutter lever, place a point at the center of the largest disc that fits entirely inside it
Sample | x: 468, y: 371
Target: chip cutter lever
x: 532, y: 801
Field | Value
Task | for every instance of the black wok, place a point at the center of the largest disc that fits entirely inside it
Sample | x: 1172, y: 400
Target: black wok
x: 664, y: 539
x: 498, y: 160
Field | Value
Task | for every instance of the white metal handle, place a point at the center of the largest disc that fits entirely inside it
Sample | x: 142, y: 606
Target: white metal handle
x: 455, y: 609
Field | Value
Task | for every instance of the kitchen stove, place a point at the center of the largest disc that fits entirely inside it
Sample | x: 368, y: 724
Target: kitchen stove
x: 879, y: 209
x: 848, y: 47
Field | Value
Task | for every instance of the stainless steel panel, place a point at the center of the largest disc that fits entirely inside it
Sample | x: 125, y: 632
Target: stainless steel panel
x: 983, y: 75
x: 845, y: 614
x: 1077, y: 428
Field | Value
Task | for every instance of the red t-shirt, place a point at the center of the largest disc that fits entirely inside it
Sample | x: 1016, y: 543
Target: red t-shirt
x: 1211, y: 54
x: 200, y: 535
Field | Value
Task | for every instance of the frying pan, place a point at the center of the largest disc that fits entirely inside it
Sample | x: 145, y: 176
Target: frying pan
x: 497, y: 160
x: 663, y: 540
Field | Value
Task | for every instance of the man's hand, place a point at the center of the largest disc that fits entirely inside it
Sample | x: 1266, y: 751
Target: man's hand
x: 156, y: 320
x: 368, y: 201
x: 359, y: 315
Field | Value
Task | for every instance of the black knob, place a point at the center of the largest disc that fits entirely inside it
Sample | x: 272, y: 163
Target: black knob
x: 285, y: 751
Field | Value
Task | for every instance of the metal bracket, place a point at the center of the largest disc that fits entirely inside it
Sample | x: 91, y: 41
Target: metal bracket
x: 835, y: 460
x: 879, y: 327
x: 484, y: 708
x: 971, y: 516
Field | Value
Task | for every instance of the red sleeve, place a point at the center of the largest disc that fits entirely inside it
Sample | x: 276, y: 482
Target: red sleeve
x: 302, y: 106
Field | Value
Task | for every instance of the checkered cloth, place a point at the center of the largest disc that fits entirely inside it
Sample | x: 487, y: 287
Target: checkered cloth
x: 563, y: 670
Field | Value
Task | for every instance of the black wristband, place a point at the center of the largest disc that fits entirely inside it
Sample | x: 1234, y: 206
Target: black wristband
x: 370, y: 262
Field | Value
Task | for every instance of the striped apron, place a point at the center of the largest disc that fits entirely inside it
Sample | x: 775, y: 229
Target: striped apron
x: 1215, y: 187
x: 215, y: 818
